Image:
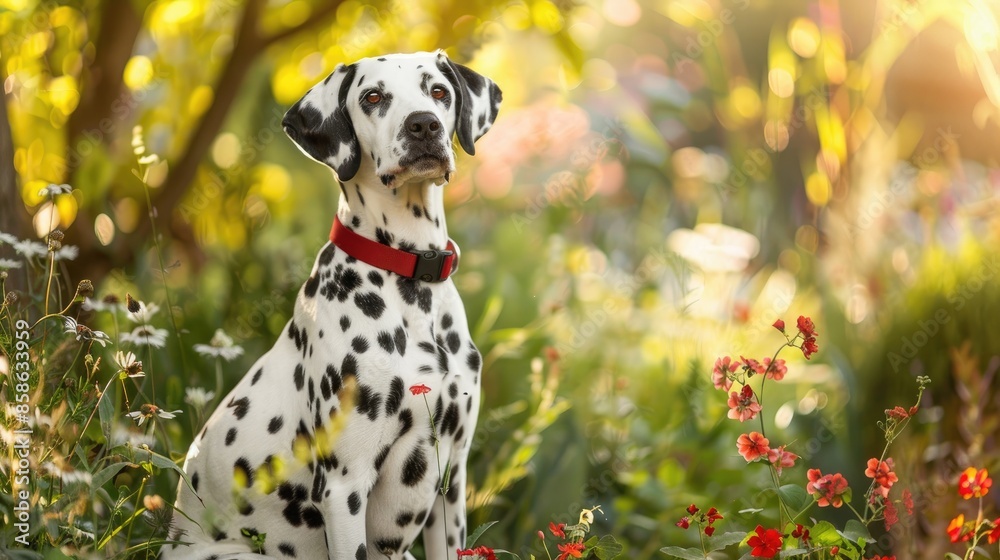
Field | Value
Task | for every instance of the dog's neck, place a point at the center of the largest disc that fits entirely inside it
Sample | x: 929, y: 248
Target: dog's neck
x: 409, y: 217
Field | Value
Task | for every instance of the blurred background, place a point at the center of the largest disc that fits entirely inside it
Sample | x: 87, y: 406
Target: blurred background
x: 664, y: 180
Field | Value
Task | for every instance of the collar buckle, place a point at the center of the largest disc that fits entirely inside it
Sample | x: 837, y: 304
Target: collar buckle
x: 433, y: 265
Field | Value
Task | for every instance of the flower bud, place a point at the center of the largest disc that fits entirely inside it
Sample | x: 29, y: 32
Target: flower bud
x: 131, y: 304
x: 85, y: 288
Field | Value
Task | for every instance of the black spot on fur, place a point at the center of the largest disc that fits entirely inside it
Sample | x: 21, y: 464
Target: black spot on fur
x: 256, y: 376
x: 454, y: 343
x: 194, y: 481
x: 369, y: 402
x: 371, y: 304
x: 345, y: 323
x: 287, y: 549
x: 453, y: 389
x: 242, y: 464
x: 386, y: 342
x: 450, y: 423
x: 380, y: 458
x: 453, y: 489
x: 473, y: 360
x: 240, y: 407
x: 395, y: 397
x: 375, y: 278
x: 334, y: 377
x: 446, y: 321
x: 300, y: 377
x: 416, y: 211
x: 361, y: 554
x: 230, y: 436
x: 404, y: 518
x: 312, y: 517
x: 312, y: 285
x: 405, y: 422
x: 354, y: 503
x: 349, y: 366
x: 275, y: 424
x: 415, y: 467
x: 413, y: 292
x: 324, y: 387
x: 399, y: 337
x: 388, y: 546
x: 326, y: 256
x: 360, y: 344
x: 427, y: 347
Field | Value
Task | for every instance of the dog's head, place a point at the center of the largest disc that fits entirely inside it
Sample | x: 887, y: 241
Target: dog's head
x: 396, y: 112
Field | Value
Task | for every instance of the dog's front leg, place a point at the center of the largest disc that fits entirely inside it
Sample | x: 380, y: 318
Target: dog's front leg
x: 345, y: 503
x: 445, y: 532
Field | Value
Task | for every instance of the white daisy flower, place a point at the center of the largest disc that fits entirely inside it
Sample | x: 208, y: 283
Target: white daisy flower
x: 67, y: 476
x: 149, y: 411
x: 146, y: 335
x: 83, y: 332
x: 100, y: 305
x: 127, y: 363
x: 221, y: 346
x: 120, y: 435
x: 54, y: 189
x: 7, y: 264
x: 7, y: 238
x: 29, y: 248
x: 145, y: 313
x: 198, y: 397
x: 67, y: 253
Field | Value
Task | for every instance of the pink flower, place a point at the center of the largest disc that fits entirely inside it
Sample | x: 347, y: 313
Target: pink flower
x: 724, y: 367
x: 781, y: 459
x: 830, y: 488
x: 752, y: 365
x: 752, y: 446
x: 742, y: 406
x: 908, y: 501
x: 777, y: 370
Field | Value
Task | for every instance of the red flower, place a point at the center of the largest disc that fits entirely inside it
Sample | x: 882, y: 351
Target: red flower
x: 720, y: 373
x: 420, y: 389
x: 480, y: 551
x: 684, y: 523
x: 877, y: 557
x: 974, y: 483
x: 800, y: 532
x: 809, y: 347
x: 994, y: 535
x: 709, y: 530
x: 752, y: 366
x: 692, y: 509
x: 765, y: 544
x: 834, y: 551
x: 914, y: 409
x: 830, y: 488
x: 781, y: 459
x: 899, y: 413
x: 881, y: 471
x: 574, y: 550
x: 775, y: 371
x: 780, y: 325
x: 742, y: 406
x: 908, y: 501
x: 713, y: 515
x: 891, y: 515
x: 557, y: 530
x: 806, y: 327
x: 752, y: 446
x: 958, y: 531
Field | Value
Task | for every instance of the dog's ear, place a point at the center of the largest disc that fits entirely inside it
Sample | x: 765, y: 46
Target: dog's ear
x: 477, y: 100
x: 321, y: 127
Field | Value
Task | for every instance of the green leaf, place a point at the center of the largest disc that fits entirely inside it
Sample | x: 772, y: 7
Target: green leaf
x: 165, y: 463
x: 825, y: 534
x: 856, y: 531
x: 952, y: 556
x: 470, y: 541
x: 607, y: 548
x: 685, y: 553
x: 792, y: 552
x: 499, y: 551
x: 106, y: 413
x: 718, y: 542
x: 794, y: 497
x: 104, y: 475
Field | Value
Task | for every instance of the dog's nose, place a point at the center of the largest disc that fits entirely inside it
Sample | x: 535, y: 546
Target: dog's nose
x: 422, y: 125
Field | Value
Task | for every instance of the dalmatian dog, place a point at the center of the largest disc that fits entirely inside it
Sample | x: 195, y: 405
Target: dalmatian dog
x: 327, y: 448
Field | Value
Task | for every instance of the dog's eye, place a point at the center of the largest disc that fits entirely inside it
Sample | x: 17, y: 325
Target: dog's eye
x: 373, y: 97
x: 438, y: 92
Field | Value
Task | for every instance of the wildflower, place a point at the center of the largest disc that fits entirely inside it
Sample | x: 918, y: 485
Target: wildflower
x: 7, y: 264
x: 809, y: 347
x: 752, y: 446
x: 587, y: 515
x: 419, y: 389
x: 781, y: 459
x: 724, y: 367
x: 84, y: 332
x: 153, y: 502
x: 149, y: 411
x: 484, y: 552
x: 102, y: 305
x: 574, y: 550
x: 765, y: 544
x: 221, y: 346
x: 128, y: 365
x: 557, y: 529
x: 897, y: 413
x: 684, y: 523
x: 713, y: 515
x: 776, y: 370
x: 11, y: 298
x: 830, y: 488
x: 806, y: 327
x: 7, y: 238
x: 141, y: 312
x: 908, y: 501
x: 692, y: 509
x: 28, y: 248
x: 881, y: 471
x: 198, y: 397
x: 66, y: 253
x: 835, y: 550
x: 709, y: 531
x: 146, y: 335
x: 780, y: 325
x: 974, y: 483
x: 890, y: 514
x: 752, y: 366
x: 800, y: 532
x: 742, y: 406
x: 54, y: 189
x: 994, y: 535
x: 958, y: 531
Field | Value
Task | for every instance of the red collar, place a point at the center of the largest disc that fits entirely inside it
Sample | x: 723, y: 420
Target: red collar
x: 429, y: 265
